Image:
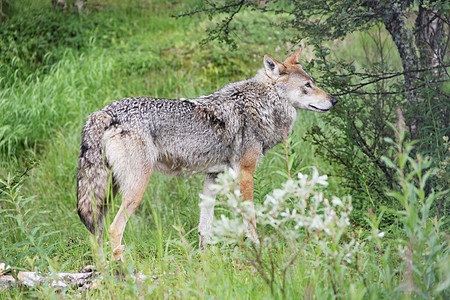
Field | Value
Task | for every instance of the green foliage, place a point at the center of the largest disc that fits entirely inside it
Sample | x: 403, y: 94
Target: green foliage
x: 293, y: 217
x: 355, y: 142
x: 26, y: 242
x: 425, y: 249
x: 298, y: 220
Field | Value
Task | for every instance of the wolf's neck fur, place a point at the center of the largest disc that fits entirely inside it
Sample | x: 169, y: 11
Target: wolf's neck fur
x: 255, y: 104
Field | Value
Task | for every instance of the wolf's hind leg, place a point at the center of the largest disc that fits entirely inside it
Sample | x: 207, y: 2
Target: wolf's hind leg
x: 206, y: 211
x: 132, y: 197
x: 131, y: 161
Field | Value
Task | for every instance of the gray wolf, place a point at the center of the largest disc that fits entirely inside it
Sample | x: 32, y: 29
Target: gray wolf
x: 126, y: 141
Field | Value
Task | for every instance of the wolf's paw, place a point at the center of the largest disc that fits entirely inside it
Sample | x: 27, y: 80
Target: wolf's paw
x: 117, y: 253
x: 203, y: 241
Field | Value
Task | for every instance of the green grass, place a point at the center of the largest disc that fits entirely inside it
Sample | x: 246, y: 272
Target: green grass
x: 121, y: 50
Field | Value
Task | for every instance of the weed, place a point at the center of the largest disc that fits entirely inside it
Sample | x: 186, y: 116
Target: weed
x: 27, y: 244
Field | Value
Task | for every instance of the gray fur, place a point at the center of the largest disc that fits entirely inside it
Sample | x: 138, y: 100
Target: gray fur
x: 93, y: 173
x: 208, y: 134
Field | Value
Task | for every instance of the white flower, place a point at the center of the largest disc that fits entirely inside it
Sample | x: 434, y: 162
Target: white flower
x: 297, y: 202
x: 302, y: 179
x: 316, y: 179
x: 347, y: 257
x: 279, y: 194
x: 290, y: 187
x: 226, y: 182
x: 337, y: 202
x: 227, y: 230
x: 316, y: 222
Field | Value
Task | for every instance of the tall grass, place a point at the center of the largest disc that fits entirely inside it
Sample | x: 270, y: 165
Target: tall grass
x: 34, y: 109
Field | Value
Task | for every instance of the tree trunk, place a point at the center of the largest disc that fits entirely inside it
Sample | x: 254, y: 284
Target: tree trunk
x: 394, y: 17
x: 431, y: 39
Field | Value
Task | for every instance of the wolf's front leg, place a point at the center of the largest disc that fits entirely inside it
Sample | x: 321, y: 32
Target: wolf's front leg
x: 247, y: 169
x: 206, y: 211
x: 246, y: 186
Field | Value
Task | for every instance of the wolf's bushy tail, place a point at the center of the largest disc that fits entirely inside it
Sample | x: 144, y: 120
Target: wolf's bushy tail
x: 93, y: 173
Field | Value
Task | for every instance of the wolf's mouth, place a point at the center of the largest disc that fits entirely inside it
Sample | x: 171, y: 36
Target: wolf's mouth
x: 318, y: 109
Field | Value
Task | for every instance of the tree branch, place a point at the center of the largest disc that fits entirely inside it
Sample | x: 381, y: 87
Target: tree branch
x: 355, y: 91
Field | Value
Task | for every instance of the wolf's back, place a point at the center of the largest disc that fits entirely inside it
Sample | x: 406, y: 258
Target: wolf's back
x: 93, y: 174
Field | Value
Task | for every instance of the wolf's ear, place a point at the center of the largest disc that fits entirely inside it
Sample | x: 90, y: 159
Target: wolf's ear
x: 293, y: 58
x: 273, y: 67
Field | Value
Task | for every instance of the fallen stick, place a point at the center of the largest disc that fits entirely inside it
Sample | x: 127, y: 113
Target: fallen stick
x: 60, y: 280
x: 33, y: 279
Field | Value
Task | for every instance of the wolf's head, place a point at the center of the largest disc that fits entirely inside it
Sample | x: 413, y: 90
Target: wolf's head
x: 293, y: 83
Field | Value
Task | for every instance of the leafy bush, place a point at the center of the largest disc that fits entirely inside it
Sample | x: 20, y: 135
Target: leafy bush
x: 354, y: 136
x: 298, y: 221
x: 293, y: 216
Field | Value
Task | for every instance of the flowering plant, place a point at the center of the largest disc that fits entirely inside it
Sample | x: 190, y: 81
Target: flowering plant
x: 290, y: 218
x: 297, y: 207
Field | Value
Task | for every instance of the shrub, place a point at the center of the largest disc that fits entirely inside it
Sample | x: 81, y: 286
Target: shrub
x: 298, y: 221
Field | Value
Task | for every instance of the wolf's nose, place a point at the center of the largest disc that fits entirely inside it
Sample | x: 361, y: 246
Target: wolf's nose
x: 334, y: 100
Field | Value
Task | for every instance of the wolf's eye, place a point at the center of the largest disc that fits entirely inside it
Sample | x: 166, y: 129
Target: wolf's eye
x: 308, y: 85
